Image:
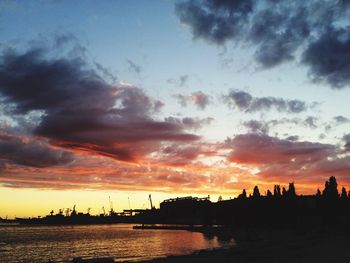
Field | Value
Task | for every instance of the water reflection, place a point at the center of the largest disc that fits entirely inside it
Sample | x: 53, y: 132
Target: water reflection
x: 219, y: 240
x: 62, y: 243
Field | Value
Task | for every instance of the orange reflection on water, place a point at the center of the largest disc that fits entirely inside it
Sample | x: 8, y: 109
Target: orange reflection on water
x: 63, y: 243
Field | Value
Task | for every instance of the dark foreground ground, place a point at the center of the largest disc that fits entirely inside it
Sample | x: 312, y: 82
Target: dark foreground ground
x: 270, y: 247
x: 327, y: 249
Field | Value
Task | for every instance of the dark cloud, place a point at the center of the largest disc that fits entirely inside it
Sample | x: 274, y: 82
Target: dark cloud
x: 29, y: 152
x: 328, y: 57
x: 106, y: 72
x: 196, y: 123
x: 215, y: 21
x: 278, y: 33
x: 61, y: 40
x: 190, y: 123
x: 341, y: 119
x: 246, y: 102
x: 33, y: 83
x: 133, y: 67
x: 311, y: 122
x: 278, y: 30
x: 181, y: 81
x: 198, y: 98
x: 255, y: 126
x: 285, y: 121
x: 266, y: 126
x: 80, y: 110
x: 293, y: 138
x: 346, y: 139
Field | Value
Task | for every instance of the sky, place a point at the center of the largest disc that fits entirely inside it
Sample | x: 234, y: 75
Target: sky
x: 174, y: 98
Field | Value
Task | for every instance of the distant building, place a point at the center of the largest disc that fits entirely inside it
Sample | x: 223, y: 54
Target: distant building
x: 185, y: 209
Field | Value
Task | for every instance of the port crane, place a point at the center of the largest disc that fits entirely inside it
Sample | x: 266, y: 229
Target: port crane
x: 150, y: 200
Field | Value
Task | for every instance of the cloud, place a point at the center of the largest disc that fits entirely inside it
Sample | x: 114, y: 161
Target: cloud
x: 265, y: 126
x: 314, y: 32
x: 263, y: 149
x: 346, y: 139
x: 190, y: 123
x: 181, y: 81
x: 246, y: 102
x: 281, y: 160
x: 328, y: 57
x: 105, y: 174
x: 311, y: 122
x: 341, y: 119
x: 215, y: 21
x: 106, y: 72
x: 293, y: 138
x: 177, y: 155
x: 255, y: 126
x: 61, y: 40
x: 133, y: 67
x: 80, y: 111
x: 29, y: 152
x: 278, y: 33
x: 336, y: 121
x: 198, y: 98
x: 31, y: 82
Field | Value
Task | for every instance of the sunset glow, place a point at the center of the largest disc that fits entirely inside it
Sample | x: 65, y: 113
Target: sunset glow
x: 147, y: 97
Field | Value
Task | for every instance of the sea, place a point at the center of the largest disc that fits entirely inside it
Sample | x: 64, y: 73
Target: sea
x: 119, y: 241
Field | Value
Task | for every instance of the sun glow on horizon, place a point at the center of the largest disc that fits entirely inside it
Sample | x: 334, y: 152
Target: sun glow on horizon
x: 169, y: 108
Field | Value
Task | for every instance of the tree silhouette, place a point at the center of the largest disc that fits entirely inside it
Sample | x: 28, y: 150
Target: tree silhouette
x: 291, y: 190
x: 323, y: 211
x: 331, y: 189
x: 269, y: 194
x: 277, y: 190
x: 243, y: 195
x: 318, y: 193
x: 256, y: 192
x: 284, y: 192
x: 343, y: 195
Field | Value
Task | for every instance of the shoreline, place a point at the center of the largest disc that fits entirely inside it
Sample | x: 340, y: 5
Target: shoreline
x: 277, y: 246
x: 329, y: 248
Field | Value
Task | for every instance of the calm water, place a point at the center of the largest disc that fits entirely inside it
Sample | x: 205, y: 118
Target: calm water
x: 63, y: 243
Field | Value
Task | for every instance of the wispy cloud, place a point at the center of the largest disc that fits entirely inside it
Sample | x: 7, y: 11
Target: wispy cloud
x: 244, y: 101
x: 133, y: 67
x: 198, y: 98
